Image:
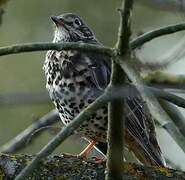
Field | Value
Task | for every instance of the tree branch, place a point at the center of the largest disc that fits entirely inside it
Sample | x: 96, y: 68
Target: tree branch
x: 14, y: 49
x: 115, y: 136
x: 116, y: 121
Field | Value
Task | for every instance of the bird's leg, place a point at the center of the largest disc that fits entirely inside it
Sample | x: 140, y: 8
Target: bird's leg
x: 83, y: 154
x: 86, y: 151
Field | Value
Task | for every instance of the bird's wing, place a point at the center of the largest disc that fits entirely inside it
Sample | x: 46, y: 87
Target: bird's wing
x: 94, y: 67
x: 139, y: 124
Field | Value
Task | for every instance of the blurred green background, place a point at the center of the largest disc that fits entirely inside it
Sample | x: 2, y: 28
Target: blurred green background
x: 28, y: 21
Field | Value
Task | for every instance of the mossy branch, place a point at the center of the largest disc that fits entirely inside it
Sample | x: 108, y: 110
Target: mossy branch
x: 57, y: 167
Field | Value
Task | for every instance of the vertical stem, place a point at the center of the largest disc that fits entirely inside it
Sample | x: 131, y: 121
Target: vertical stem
x: 116, y: 121
x: 115, y: 129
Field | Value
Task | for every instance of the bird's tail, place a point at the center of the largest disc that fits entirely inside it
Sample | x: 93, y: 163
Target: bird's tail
x: 140, y: 134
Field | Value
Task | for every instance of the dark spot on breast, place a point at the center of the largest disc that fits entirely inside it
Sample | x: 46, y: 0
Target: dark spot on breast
x: 53, y: 76
x: 56, y: 68
x: 59, y: 78
x: 94, y: 116
x: 65, y: 101
x: 105, y: 111
x: 84, y: 125
x: 99, y: 117
x: 56, y: 81
x: 71, y: 87
x: 66, y: 56
x: 102, y: 128
x: 57, y: 105
x: 67, y: 110
x: 81, y: 105
x: 82, y: 83
x: 60, y: 110
x: 71, y: 105
x: 61, y: 86
x: 75, y: 108
x: 90, y: 101
x: 49, y: 80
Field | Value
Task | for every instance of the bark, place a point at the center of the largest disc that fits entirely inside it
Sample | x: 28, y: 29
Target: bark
x: 56, y: 167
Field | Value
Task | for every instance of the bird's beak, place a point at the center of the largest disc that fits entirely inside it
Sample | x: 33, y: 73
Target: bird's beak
x: 57, y: 20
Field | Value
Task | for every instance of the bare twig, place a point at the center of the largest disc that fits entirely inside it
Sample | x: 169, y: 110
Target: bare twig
x: 170, y: 5
x: 175, y: 114
x: 21, y: 140
x: 14, y: 49
x: 139, y: 41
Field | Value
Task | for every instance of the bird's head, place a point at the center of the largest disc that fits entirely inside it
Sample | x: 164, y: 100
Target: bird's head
x: 70, y: 28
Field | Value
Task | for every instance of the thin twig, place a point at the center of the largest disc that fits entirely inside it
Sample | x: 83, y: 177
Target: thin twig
x: 175, y: 114
x: 177, y: 100
x: 139, y: 41
x: 21, y: 140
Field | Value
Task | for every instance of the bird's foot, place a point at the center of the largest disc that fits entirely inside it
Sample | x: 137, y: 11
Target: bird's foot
x: 99, y: 160
x: 83, y: 154
x: 66, y: 155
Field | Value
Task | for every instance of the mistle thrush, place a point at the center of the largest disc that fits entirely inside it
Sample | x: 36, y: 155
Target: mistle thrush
x: 76, y: 78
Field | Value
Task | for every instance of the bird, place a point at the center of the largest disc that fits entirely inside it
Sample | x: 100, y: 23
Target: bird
x: 75, y: 79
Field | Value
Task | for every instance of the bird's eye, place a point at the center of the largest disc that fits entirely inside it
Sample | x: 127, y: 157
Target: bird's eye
x: 77, y: 21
